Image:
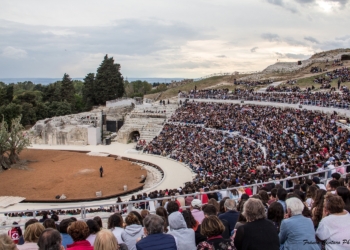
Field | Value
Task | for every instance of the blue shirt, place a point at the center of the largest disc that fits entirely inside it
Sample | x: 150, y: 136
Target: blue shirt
x: 66, y: 240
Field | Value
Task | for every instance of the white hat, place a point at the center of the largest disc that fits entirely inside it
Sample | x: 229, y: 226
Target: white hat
x: 196, y: 203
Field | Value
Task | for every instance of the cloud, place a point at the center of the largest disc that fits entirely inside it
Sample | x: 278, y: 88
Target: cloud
x: 279, y: 54
x: 276, y: 38
x: 14, y: 53
x: 253, y: 50
x: 283, y: 4
x: 340, y: 2
x: 292, y: 41
x: 343, y: 38
x: 311, y: 39
x: 271, y: 37
x: 221, y: 56
x: 296, y: 56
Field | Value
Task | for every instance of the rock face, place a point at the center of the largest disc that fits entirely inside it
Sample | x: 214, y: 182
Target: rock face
x: 65, y: 130
x: 76, y: 129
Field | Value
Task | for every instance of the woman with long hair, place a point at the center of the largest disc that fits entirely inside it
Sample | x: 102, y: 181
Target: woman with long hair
x: 192, y: 223
x: 161, y: 211
x: 317, y: 207
x: 115, y: 224
x: 275, y: 214
x: 310, y: 195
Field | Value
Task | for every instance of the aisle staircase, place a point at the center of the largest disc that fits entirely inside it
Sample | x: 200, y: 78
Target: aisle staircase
x: 148, y: 120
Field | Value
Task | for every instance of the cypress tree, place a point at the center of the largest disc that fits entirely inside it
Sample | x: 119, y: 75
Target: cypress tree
x: 67, y: 89
x: 109, y: 83
x: 89, y: 91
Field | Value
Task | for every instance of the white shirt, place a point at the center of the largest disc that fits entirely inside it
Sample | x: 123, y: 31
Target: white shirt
x: 334, y: 228
x: 91, y: 238
x: 118, y: 234
x: 322, y: 186
x: 331, y: 167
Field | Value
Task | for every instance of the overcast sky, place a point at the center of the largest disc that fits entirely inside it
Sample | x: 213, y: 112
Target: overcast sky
x: 163, y: 38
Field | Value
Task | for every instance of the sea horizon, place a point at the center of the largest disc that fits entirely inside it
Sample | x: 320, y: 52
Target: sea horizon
x: 47, y: 80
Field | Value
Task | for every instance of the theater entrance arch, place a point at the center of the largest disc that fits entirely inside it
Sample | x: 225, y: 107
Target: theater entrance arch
x: 134, y: 136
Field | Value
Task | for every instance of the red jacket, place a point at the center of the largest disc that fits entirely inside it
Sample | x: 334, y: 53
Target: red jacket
x: 80, y: 245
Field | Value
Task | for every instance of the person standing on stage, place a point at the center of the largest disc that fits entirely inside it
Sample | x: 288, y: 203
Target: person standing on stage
x: 101, y: 171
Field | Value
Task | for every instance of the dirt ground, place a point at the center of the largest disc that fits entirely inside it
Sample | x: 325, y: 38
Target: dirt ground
x: 50, y: 173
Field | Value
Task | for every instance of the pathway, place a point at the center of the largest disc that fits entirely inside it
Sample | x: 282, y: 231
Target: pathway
x: 274, y: 84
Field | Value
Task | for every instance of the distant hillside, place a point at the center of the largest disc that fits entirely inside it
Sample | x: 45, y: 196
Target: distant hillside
x: 278, y: 71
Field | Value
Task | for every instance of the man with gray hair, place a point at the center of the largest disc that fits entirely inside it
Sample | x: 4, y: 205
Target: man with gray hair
x: 297, y: 232
x: 155, y: 238
x: 50, y: 239
x: 231, y: 214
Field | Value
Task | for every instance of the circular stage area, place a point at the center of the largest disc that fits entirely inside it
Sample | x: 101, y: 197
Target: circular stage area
x: 49, y: 173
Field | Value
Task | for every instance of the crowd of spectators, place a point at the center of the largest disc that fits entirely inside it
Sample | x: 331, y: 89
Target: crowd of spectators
x: 295, y: 142
x: 252, y: 84
x: 279, y: 220
x: 316, y: 69
x: 291, y: 82
x: 342, y: 74
x: 326, y: 99
x: 283, y: 88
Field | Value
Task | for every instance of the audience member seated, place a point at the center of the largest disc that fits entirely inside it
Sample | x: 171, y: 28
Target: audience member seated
x: 49, y: 223
x: 94, y: 228
x: 66, y: 238
x: 105, y: 240
x: 185, y: 237
x: 115, y: 224
x: 196, y: 211
x: 295, y: 228
x: 344, y: 193
x: 334, y: 225
x: 50, y: 239
x: 194, y: 225
x: 258, y: 232
x: 211, y: 210
x: 155, y: 238
x: 275, y: 213
x: 133, y: 231
x: 79, y: 231
x: 31, y: 236
x: 213, y: 228
x: 231, y: 215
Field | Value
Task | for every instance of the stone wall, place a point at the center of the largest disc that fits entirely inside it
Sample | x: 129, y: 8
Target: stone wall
x: 74, y: 129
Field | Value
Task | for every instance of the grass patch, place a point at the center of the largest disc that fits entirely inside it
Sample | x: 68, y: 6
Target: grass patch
x: 202, y: 84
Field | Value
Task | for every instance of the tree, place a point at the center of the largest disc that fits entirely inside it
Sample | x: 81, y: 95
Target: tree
x: 89, y: 91
x: 78, y: 87
x: 9, y: 93
x: 10, y: 112
x: 52, y: 92
x: 28, y: 114
x: 109, y: 83
x: 59, y: 109
x: 17, y: 141
x: 67, y: 89
x: 4, y: 146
